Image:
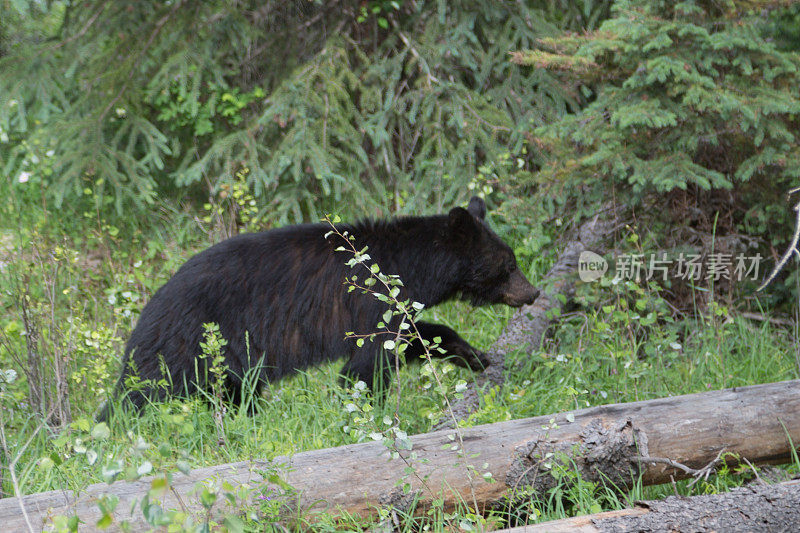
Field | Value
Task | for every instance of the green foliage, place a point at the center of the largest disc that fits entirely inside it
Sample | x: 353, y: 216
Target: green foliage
x: 273, y: 112
x: 690, y: 121
x: 399, y: 105
x: 377, y: 9
x: 682, y: 98
x: 212, y: 360
x: 153, y: 463
x: 98, y: 344
x: 578, y: 15
x: 177, y: 111
x: 784, y: 24
x: 233, y: 208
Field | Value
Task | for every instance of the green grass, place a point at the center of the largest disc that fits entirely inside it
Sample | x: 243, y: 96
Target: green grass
x: 600, y: 354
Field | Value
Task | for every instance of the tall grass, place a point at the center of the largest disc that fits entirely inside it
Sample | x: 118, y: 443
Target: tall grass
x: 591, y: 358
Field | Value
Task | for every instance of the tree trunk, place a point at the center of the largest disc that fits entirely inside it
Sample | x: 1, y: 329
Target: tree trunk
x: 530, y: 322
x: 608, y: 441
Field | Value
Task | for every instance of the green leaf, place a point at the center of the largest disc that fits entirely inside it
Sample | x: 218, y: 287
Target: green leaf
x: 144, y: 468
x: 158, y: 486
x: 183, y: 467
x: 101, y: 431
x: 233, y: 523
x: 105, y: 521
x: 207, y: 497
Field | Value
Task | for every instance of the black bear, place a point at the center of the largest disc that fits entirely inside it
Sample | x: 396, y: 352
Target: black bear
x: 280, y: 298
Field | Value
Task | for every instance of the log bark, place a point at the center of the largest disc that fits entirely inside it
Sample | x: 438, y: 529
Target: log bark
x: 755, y: 508
x: 754, y: 422
x: 527, y: 326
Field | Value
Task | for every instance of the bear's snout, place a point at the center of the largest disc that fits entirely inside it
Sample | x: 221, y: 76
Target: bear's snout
x: 519, y: 291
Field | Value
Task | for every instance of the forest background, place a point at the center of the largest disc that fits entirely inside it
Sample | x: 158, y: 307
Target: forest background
x: 135, y: 133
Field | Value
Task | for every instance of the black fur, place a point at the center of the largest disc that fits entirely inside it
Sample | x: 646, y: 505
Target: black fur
x: 284, y: 289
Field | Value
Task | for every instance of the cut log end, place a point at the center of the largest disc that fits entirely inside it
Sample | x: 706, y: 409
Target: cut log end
x: 601, y: 452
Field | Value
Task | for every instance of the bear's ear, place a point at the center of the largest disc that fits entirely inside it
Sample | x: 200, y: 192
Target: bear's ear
x: 462, y: 224
x: 477, y: 207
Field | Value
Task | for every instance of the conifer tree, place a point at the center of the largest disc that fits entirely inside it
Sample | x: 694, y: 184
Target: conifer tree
x: 318, y: 104
x: 692, y: 95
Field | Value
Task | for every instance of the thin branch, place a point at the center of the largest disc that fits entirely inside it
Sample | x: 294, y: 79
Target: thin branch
x: 409, y: 319
x: 83, y: 30
x: 423, y: 65
x: 792, y: 247
x: 753, y: 468
x: 762, y: 318
x: 668, y: 462
x: 698, y: 474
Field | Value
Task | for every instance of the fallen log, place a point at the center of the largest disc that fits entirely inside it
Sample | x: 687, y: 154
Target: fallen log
x: 527, y: 326
x: 612, y: 442
x: 754, y: 508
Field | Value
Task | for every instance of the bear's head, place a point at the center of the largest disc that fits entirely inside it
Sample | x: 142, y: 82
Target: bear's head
x: 489, y: 268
